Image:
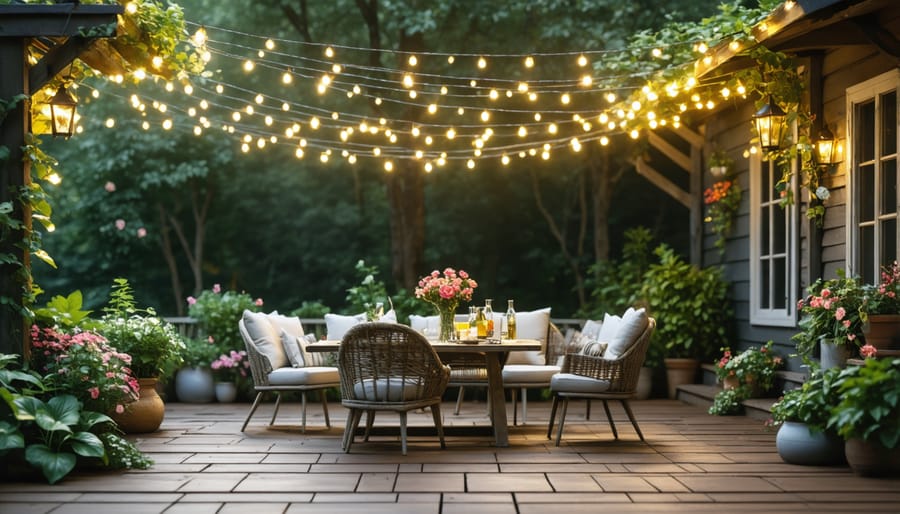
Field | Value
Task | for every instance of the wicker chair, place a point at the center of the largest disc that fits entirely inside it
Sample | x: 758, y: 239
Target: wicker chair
x: 385, y: 366
x: 596, y: 378
x: 521, y: 377
x: 285, y: 378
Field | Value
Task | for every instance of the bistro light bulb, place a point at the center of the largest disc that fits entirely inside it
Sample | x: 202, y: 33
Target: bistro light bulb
x: 529, y: 62
x: 482, y: 63
x: 485, y: 116
x: 287, y: 78
x: 412, y: 60
x: 582, y: 61
x: 329, y: 52
x: 470, y: 164
x: 407, y: 80
x: 565, y: 99
x: 249, y: 65
x: 199, y: 38
x: 270, y: 45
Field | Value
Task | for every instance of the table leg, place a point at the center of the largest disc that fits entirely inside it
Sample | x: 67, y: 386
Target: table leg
x: 497, y: 399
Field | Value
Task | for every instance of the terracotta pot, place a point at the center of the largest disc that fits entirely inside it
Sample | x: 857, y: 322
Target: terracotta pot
x: 732, y: 382
x: 680, y: 371
x: 146, y: 414
x: 883, y: 331
x: 871, y: 458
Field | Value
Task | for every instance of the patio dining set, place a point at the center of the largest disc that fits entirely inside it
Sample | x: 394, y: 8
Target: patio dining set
x: 387, y: 366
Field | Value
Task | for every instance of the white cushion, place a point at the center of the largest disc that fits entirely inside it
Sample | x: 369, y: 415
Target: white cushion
x: 265, y: 338
x: 292, y: 349
x: 391, y: 390
x: 609, y: 328
x: 310, y: 375
x: 289, y: 324
x: 528, y: 374
x: 531, y: 325
x: 591, y: 328
x: 311, y: 358
x: 569, y: 383
x: 633, y: 324
x: 389, y: 317
x: 337, y: 325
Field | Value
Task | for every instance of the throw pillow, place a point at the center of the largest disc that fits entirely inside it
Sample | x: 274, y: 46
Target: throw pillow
x: 593, y: 349
x: 289, y: 324
x: 531, y: 325
x: 389, y: 317
x: 609, y: 328
x: 265, y: 338
x: 591, y: 328
x: 316, y: 359
x: 292, y: 349
x: 633, y: 324
x: 336, y: 325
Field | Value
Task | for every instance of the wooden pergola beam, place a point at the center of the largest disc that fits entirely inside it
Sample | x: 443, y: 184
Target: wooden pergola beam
x: 58, y: 20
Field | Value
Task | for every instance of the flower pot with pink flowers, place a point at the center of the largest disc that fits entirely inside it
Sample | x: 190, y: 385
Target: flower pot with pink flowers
x: 445, y: 291
x: 833, y: 314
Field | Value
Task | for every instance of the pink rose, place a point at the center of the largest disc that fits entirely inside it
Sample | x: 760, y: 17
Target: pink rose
x: 463, y: 274
x: 258, y: 302
x: 95, y: 393
x: 217, y: 288
x: 446, y: 292
x: 846, y: 323
x: 851, y: 337
x: 120, y: 408
x: 826, y: 293
x: 210, y: 340
x: 868, y: 350
x: 110, y: 187
x: 120, y: 224
x: 191, y: 300
x: 840, y: 313
x: 142, y: 232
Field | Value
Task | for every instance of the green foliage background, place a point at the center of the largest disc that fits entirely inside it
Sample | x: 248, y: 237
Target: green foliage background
x: 291, y: 231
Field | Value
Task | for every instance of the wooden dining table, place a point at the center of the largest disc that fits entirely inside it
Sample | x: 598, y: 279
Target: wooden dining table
x: 493, y: 353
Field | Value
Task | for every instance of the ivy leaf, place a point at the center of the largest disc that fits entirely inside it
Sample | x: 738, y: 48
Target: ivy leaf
x: 44, y: 256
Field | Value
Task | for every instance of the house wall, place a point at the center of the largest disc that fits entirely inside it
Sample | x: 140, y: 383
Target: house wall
x: 730, y: 130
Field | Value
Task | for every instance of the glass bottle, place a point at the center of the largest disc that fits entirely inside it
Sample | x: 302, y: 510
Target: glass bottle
x: 480, y: 322
x: 473, y: 324
x: 379, y: 311
x: 510, y: 320
x: 489, y: 319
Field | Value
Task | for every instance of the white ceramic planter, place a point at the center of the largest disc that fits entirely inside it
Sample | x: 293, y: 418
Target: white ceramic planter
x: 195, y: 385
x: 226, y: 392
x: 796, y: 445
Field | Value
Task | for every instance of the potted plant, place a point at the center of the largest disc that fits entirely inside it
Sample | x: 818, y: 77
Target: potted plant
x: 801, y: 416
x: 228, y: 369
x: 868, y: 416
x: 719, y: 163
x: 154, y: 346
x: 217, y: 313
x: 882, y: 310
x: 754, y: 368
x: 832, y: 318
x: 691, y: 306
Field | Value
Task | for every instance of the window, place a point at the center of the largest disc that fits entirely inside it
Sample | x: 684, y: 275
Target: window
x: 773, y: 249
x: 872, y: 164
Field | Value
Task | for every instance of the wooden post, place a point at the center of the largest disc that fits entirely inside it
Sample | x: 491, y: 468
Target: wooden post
x: 13, y: 175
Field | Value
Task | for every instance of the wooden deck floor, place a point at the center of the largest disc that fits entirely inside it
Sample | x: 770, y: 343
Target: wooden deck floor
x: 691, y: 462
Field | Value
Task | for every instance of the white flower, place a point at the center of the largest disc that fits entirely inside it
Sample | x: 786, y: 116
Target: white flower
x: 823, y: 193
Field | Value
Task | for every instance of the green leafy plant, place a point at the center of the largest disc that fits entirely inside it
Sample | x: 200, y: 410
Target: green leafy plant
x: 218, y: 313
x: 752, y: 366
x: 869, y: 406
x: 722, y: 200
x: 65, y: 312
x: 199, y: 353
x: 370, y: 291
x: 153, y: 344
x: 811, y: 403
x: 690, y: 304
x: 728, y: 401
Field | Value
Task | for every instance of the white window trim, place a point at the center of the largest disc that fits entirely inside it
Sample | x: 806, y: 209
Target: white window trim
x: 786, y: 317
x: 854, y: 95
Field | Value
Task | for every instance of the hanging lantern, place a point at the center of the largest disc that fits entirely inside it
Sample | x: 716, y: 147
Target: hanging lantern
x: 828, y: 148
x: 769, y: 122
x: 62, y: 111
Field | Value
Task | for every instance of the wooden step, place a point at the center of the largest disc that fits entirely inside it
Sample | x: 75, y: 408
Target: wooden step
x: 702, y: 395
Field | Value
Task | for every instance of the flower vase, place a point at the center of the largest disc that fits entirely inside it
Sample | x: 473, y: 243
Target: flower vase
x: 447, y: 329
x: 144, y: 415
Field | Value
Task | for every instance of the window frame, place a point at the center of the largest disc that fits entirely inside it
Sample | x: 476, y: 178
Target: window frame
x: 786, y: 317
x: 862, y: 92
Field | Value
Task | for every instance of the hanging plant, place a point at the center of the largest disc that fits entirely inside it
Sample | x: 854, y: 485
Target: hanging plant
x: 722, y: 201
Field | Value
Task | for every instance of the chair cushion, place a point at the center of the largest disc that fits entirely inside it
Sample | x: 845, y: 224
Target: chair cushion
x: 570, y: 383
x: 265, y: 338
x: 388, y: 390
x: 289, y: 324
x: 292, y: 349
x: 337, y: 325
x: 633, y: 324
x: 591, y: 328
x: 609, y: 327
x: 531, y: 325
x: 312, y: 358
x: 309, y: 375
x: 528, y: 374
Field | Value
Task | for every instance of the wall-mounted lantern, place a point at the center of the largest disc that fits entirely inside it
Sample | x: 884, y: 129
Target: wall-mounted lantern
x: 769, y: 122
x: 829, y: 149
x: 62, y: 112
